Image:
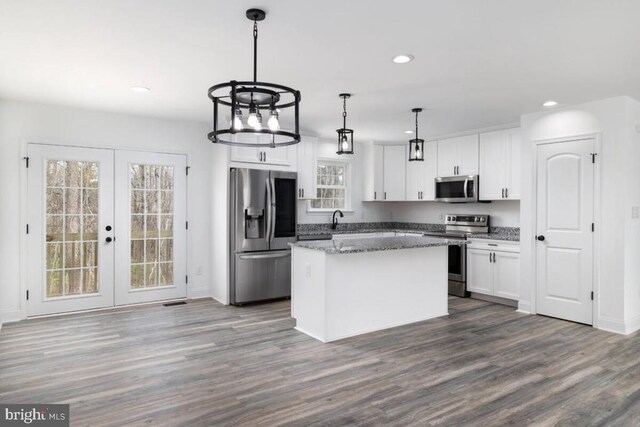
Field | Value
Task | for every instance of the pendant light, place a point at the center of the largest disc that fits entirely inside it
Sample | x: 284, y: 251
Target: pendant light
x: 345, y: 136
x: 254, y: 97
x: 416, y: 145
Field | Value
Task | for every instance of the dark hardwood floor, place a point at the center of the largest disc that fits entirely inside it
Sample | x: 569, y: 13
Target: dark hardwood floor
x: 206, y: 364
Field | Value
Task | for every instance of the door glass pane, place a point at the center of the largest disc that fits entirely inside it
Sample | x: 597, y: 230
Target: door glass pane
x: 151, y: 200
x: 71, y: 228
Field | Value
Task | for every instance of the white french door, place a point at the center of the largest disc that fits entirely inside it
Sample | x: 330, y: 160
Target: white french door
x: 564, y: 255
x: 150, y: 226
x: 70, y: 207
x: 97, y: 239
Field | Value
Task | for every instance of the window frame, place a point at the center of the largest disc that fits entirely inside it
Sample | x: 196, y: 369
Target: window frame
x: 347, y: 185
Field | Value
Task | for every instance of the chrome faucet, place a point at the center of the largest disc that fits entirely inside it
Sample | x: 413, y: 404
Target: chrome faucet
x: 334, y: 222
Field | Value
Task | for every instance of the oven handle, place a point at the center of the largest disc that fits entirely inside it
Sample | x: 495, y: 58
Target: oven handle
x: 466, y: 189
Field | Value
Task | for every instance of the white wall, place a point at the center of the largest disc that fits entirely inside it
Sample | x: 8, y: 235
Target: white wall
x: 21, y: 123
x: 610, y: 120
x: 504, y: 213
x: 632, y: 225
x: 361, y: 212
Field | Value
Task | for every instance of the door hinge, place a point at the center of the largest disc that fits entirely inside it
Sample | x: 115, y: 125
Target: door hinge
x: 186, y: 279
x: 187, y: 225
x: 593, y: 157
x: 26, y: 161
x: 591, y: 295
x: 27, y: 228
x: 593, y: 227
x: 187, y: 169
x: 27, y: 295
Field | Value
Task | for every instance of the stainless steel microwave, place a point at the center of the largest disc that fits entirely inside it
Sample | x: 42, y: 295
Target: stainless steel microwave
x: 457, y: 189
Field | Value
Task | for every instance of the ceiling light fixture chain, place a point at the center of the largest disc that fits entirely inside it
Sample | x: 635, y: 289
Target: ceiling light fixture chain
x: 255, y: 49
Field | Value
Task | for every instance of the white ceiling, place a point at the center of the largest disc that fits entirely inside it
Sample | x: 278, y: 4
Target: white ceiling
x: 478, y: 63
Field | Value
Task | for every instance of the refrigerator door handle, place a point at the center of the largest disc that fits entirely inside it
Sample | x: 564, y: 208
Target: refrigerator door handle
x: 273, y: 208
x: 268, y: 212
x: 283, y: 254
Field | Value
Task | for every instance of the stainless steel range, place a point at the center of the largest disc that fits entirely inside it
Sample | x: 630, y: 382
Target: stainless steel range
x: 459, y: 227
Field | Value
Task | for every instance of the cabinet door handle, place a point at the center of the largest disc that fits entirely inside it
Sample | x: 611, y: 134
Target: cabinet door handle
x: 375, y: 195
x: 490, y: 257
x: 265, y: 156
x: 503, y: 193
x: 385, y: 195
x: 303, y: 192
x: 506, y: 193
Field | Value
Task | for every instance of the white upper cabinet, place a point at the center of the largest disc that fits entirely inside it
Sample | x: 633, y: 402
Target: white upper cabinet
x: 395, y: 162
x: 373, y: 173
x: 458, y: 156
x: 421, y: 175
x: 281, y: 156
x: 307, y: 169
x: 499, y: 165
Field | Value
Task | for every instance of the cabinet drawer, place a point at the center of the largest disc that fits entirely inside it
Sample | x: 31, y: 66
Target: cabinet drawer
x: 494, y: 245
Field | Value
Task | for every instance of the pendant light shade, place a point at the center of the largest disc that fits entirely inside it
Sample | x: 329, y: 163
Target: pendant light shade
x: 345, y: 136
x: 254, y: 97
x: 416, y: 145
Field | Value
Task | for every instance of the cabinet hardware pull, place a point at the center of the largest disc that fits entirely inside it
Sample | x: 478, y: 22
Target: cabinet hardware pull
x: 303, y: 192
x: 385, y: 195
x: 375, y: 195
x: 489, y: 256
x: 506, y: 193
x: 503, y: 193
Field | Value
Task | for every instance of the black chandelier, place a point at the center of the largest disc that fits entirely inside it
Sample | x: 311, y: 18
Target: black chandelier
x: 254, y: 97
x: 416, y: 145
x: 345, y: 136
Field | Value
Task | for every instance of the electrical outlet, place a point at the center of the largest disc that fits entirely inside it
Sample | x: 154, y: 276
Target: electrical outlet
x: 307, y: 270
x: 635, y: 212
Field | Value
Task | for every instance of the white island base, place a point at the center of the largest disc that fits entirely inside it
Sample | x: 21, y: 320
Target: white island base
x: 335, y: 296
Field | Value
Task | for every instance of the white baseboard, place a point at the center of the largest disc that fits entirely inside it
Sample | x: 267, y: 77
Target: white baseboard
x: 524, y: 307
x: 631, y: 325
x: 202, y: 292
x: 9, y: 316
x: 611, y: 325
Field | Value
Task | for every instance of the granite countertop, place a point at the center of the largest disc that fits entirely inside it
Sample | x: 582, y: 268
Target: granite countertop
x: 374, y: 244
x: 496, y: 233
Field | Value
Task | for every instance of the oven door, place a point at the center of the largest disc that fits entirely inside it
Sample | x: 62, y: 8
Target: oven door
x: 457, y: 189
x: 457, y: 263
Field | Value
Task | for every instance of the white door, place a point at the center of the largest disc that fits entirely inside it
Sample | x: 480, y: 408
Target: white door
x: 150, y: 225
x: 448, y: 154
x: 506, y: 274
x: 492, y: 165
x: 430, y: 170
x: 564, y: 255
x: 395, y: 161
x: 70, y: 217
x: 415, y: 180
x: 378, y: 172
x: 468, y: 161
x: 480, y: 271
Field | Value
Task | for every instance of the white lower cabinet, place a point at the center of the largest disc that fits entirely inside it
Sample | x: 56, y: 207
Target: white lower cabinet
x: 493, y: 269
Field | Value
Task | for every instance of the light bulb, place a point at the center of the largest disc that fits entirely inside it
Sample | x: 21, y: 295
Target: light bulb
x: 255, y: 120
x: 237, y: 121
x: 345, y: 144
x: 418, y: 152
x: 273, y: 123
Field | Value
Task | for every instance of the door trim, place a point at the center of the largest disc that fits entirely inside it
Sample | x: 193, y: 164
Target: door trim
x: 597, y: 216
x: 23, y: 267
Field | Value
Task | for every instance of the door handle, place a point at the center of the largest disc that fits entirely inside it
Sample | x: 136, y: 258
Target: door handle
x: 267, y: 256
x: 506, y: 193
x: 540, y: 238
x: 385, y: 195
x: 494, y: 257
x: 267, y: 235
x: 503, y: 193
x: 375, y: 195
x: 273, y: 207
x: 303, y: 192
x: 490, y: 257
x: 108, y: 240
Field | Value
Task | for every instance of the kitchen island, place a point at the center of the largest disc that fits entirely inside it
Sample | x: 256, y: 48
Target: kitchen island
x: 341, y: 288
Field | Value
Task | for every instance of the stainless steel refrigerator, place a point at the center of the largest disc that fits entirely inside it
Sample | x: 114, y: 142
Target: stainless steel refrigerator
x: 262, y: 222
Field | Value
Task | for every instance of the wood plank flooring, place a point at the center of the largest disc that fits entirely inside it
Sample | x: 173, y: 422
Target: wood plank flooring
x: 206, y: 364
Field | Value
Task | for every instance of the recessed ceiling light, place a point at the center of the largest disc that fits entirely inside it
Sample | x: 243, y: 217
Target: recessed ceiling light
x: 403, y: 59
x: 140, y: 89
x: 408, y: 131
x: 550, y: 103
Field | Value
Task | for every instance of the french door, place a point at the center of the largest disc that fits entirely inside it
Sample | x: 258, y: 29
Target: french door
x: 101, y: 228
